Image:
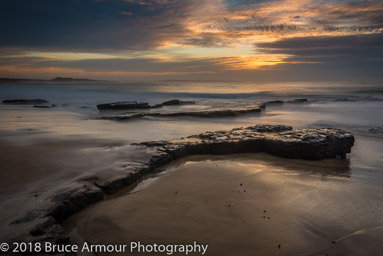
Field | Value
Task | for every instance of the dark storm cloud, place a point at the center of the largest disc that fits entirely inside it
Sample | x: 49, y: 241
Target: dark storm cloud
x: 341, y: 58
x: 352, y: 10
x: 324, y: 49
x: 114, y: 25
x: 89, y: 25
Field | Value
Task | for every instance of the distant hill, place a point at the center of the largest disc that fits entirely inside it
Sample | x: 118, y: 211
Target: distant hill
x: 18, y: 80
x: 55, y: 80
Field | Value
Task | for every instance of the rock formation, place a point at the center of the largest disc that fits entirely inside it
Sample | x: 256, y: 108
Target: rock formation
x: 141, y: 105
x: 214, y: 113
x: 124, y: 105
x: 43, y: 224
x: 25, y: 101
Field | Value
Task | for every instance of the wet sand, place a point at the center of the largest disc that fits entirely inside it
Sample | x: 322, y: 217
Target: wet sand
x: 248, y: 204
x: 31, y: 170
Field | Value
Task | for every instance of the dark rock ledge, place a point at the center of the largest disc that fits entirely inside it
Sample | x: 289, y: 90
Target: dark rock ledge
x: 25, y: 101
x: 202, y: 114
x: 140, y: 105
x: 253, y: 108
x: 43, y: 224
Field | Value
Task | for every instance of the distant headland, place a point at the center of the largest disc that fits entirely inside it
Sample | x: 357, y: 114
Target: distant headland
x: 54, y: 80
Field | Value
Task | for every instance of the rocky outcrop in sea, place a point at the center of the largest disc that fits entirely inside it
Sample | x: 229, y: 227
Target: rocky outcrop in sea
x: 140, y: 105
x: 25, y: 101
x: 212, y: 113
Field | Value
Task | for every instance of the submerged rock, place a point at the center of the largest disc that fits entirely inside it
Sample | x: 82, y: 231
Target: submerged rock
x: 44, y: 106
x: 297, y: 101
x: 202, y: 114
x: 343, y: 99
x: 124, y: 105
x: 376, y: 130
x: 176, y: 102
x: 280, y: 102
x: 273, y: 102
x: 25, y: 101
x: 253, y: 108
x: 141, y: 105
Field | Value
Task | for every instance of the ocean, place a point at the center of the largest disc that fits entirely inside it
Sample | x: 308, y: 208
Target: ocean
x: 351, y: 106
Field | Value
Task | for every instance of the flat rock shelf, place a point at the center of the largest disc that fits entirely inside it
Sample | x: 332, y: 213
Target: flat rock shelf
x: 210, y: 113
x: 44, y: 223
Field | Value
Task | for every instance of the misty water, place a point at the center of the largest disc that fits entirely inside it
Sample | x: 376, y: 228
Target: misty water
x: 349, y: 106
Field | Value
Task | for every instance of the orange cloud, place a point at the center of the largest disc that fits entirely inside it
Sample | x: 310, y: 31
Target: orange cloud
x: 276, y: 20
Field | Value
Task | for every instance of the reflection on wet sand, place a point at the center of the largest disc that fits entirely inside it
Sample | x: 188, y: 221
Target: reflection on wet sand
x: 249, y: 204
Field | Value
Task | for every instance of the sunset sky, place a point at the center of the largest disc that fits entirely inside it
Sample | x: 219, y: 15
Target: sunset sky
x: 237, y: 40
